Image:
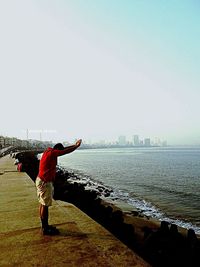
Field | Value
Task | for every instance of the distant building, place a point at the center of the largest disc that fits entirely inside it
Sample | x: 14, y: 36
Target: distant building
x: 122, y: 140
x: 8, y: 141
x: 16, y: 142
x: 157, y: 141
x: 147, y: 142
x: 136, y: 140
x: 2, y: 142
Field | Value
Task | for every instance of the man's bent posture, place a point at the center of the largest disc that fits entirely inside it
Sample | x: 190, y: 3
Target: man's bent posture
x: 44, y: 182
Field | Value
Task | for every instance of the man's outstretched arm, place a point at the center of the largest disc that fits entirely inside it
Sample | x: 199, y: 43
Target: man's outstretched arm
x: 68, y: 149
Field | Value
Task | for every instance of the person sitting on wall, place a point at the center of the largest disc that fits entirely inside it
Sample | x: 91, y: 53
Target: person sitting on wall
x: 44, y: 182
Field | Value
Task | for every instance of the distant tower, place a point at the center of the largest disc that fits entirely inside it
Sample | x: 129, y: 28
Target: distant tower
x: 157, y: 141
x: 136, y: 140
x: 122, y: 140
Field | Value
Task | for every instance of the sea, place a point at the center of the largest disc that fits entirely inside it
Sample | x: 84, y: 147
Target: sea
x: 162, y: 183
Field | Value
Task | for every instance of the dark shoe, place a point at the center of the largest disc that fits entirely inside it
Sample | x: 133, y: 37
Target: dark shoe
x: 50, y: 230
x: 54, y: 229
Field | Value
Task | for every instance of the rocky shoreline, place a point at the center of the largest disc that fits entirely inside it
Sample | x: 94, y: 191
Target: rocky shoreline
x: 160, y: 244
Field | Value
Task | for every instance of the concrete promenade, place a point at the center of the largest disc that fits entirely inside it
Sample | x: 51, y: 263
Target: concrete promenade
x: 82, y: 241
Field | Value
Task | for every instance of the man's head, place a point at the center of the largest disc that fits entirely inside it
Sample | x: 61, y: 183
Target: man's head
x: 59, y: 146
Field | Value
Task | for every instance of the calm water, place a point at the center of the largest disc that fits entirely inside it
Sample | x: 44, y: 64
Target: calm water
x: 162, y: 182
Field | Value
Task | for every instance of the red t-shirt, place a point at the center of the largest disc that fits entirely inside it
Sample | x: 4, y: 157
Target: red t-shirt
x: 48, y: 162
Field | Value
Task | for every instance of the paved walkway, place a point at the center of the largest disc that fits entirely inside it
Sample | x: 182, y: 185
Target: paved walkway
x: 82, y: 241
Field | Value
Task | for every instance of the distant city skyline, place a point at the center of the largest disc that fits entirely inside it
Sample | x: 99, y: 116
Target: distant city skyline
x: 49, y: 136
x: 122, y: 141
x: 100, y: 69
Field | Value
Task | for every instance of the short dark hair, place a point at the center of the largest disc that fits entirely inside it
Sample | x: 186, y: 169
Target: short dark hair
x: 59, y: 146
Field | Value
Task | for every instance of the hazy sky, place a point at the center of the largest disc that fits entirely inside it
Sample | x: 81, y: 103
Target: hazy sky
x: 97, y: 69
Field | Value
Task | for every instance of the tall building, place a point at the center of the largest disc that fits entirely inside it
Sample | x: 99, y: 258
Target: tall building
x: 136, y: 140
x: 157, y: 141
x: 122, y: 140
x: 147, y: 142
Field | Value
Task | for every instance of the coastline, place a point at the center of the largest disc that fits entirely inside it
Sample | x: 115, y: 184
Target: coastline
x: 126, y: 223
x: 157, y: 242
x: 160, y: 184
x: 132, y: 215
x: 128, y: 203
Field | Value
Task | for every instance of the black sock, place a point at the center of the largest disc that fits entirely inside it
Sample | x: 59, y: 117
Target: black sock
x: 44, y: 223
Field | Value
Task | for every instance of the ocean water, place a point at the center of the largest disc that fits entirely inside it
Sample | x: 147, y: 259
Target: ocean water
x: 163, y: 183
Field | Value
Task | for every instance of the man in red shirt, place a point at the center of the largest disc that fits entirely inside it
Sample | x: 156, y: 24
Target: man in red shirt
x: 45, y: 179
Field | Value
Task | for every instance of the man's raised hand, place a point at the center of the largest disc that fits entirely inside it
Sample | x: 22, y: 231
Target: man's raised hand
x: 78, y: 143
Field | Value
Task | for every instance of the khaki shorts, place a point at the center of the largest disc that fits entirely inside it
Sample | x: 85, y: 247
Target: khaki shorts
x: 44, y: 192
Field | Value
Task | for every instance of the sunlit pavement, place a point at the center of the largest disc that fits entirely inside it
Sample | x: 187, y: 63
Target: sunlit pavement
x: 82, y: 241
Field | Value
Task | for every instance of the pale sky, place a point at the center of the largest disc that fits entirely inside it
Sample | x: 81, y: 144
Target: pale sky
x: 97, y: 69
